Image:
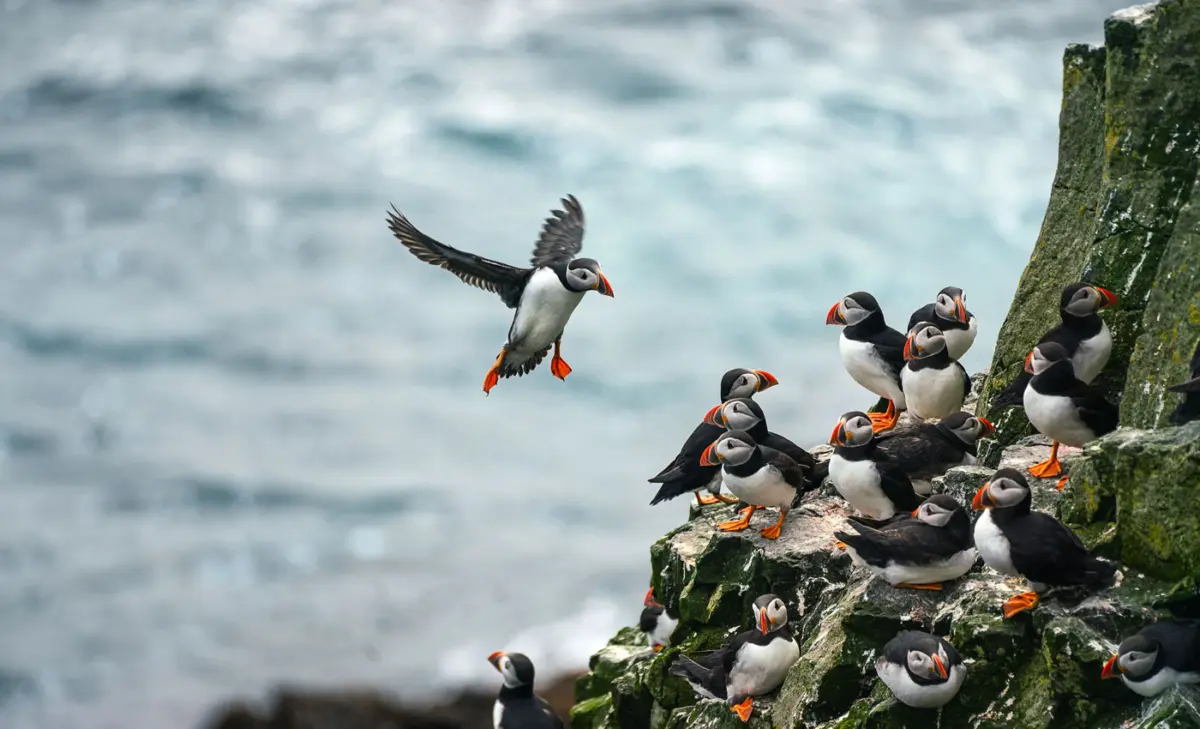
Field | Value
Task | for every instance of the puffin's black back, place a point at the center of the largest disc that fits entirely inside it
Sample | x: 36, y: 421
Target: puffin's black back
x: 1189, y: 409
x: 1044, y: 550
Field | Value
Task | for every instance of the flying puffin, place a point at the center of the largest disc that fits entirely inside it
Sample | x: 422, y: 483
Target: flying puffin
x: 757, y: 475
x: 517, y: 707
x: 1014, y: 540
x: 743, y: 413
x: 922, y: 670
x: 1063, y: 408
x: 930, y: 449
x: 1157, y: 657
x: 919, y: 553
x: 949, y: 313
x: 544, y: 295
x: 1082, y: 333
x: 864, y: 476
x: 684, y: 474
x: 1189, y: 409
x: 934, y: 384
x: 656, y: 622
x: 872, y: 352
x: 751, y: 664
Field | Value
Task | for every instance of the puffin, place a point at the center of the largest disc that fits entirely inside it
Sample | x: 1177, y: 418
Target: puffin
x: 743, y: 413
x: 656, y: 622
x: 1063, y: 408
x: 1189, y: 409
x: 757, y: 475
x: 684, y: 474
x: 1014, y: 540
x: 930, y: 449
x: 1157, y: 657
x: 544, y: 295
x: 922, y: 670
x: 1082, y: 333
x: 872, y: 352
x: 752, y: 663
x: 864, y: 476
x: 949, y: 313
x: 517, y: 707
x: 919, y: 553
x: 934, y: 384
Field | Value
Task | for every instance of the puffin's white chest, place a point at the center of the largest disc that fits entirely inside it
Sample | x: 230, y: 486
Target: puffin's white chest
x: 545, y: 307
x: 661, y: 635
x: 941, y: 570
x: 1056, y: 417
x: 760, y: 669
x: 497, y: 714
x: 858, y: 483
x: 932, y: 392
x: 916, y: 695
x: 1092, y: 355
x: 764, y: 487
x: 958, y: 341
x: 868, y: 369
x: 1161, y: 681
x: 993, y: 546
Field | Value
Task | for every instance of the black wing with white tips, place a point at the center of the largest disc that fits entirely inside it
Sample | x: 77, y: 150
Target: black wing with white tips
x: 562, y: 236
x: 500, y: 278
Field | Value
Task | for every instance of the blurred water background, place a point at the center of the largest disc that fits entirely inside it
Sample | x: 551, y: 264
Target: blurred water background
x: 242, y: 437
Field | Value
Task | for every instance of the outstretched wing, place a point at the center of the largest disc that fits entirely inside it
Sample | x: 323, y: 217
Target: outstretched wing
x: 499, y: 278
x: 562, y: 235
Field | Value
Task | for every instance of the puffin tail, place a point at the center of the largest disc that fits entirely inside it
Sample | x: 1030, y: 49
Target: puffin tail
x: 1014, y: 394
x: 1098, y: 572
x: 685, y: 667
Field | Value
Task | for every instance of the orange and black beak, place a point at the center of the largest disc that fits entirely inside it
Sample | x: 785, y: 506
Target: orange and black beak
x: 764, y: 623
x: 911, y: 350
x: 914, y: 511
x: 1029, y: 363
x: 1107, y: 298
x: 941, y: 667
x: 603, y: 286
x: 835, y: 315
x: 716, y: 417
x: 649, y: 600
x: 765, y: 379
x: 494, y: 659
x: 1112, y: 669
x: 838, y: 436
x: 709, y: 457
x: 960, y: 309
x: 983, y: 498
x: 988, y: 428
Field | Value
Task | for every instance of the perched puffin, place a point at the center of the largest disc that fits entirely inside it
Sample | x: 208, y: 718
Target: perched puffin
x: 1189, y: 409
x: 743, y: 413
x: 1015, y: 540
x: 656, y: 622
x: 751, y: 664
x: 517, y: 707
x: 684, y: 474
x: 872, y: 352
x: 934, y: 384
x: 1157, y: 657
x: 949, y: 313
x: 544, y: 295
x: 757, y: 475
x: 1082, y: 333
x: 930, y: 449
x: 866, y: 477
x: 1061, y: 407
x: 919, y: 553
x: 922, y: 670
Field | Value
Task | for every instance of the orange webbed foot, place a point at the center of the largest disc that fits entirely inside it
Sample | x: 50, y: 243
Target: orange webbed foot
x: 657, y: 648
x: 1062, y: 482
x: 839, y: 545
x: 1046, y: 469
x: 706, y: 500
x: 1019, y: 603
x: 560, y: 368
x: 493, y: 375
x: 915, y: 586
x: 744, y: 709
x: 738, y: 525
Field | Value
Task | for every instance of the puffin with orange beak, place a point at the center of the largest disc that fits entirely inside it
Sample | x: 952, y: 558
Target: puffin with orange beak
x: 656, y: 622
x: 872, y: 352
x: 949, y: 313
x: 517, y: 707
x: 757, y: 475
x: 743, y: 413
x: 928, y: 450
x: 544, y: 295
x: 864, y: 476
x: 934, y: 384
x: 1082, y: 333
x: 752, y: 663
x: 1157, y: 657
x: 1016, y: 541
x: 922, y: 670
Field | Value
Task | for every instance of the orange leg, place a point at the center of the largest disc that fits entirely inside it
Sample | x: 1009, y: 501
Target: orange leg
x: 493, y: 375
x: 558, y: 365
x: 705, y: 500
x: 772, y: 532
x: 743, y: 709
x: 1062, y: 482
x: 839, y: 545
x: 1019, y: 603
x: 1049, y: 467
x: 915, y: 586
x: 885, y: 420
x: 738, y: 525
x: 657, y: 648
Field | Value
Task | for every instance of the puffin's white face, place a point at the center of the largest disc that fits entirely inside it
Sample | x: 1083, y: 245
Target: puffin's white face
x: 850, y: 312
x: 584, y: 274
x: 1138, y: 663
x: 1089, y: 300
x: 927, y: 666
x: 972, y: 429
x: 738, y: 416
x: 925, y: 340
x: 732, y: 450
x: 515, y: 669
x: 934, y: 514
x: 1000, y: 493
x: 769, y: 613
x: 951, y: 303
x: 854, y: 429
x: 745, y: 385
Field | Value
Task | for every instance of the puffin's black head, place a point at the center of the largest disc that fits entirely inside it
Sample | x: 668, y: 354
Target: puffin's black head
x: 852, y: 309
x: 583, y: 274
x: 744, y: 383
x: 515, y: 668
x: 769, y: 613
x: 734, y: 447
x: 1136, y: 656
x: 853, y: 430
x: 1044, y: 355
x: 1080, y: 299
x: 967, y: 427
x: 1007, y: 488
x: 938, y: 510
x: 951, y: 303
x: 925, y: 340
x: 740, y: 413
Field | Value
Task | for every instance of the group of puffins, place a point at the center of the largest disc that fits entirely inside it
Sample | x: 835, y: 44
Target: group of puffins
x: 902, y: 533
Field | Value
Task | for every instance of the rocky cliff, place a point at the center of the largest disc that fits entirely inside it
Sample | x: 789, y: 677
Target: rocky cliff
x: 1122, y: 215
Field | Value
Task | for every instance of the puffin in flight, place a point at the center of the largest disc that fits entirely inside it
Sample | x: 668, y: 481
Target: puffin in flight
x: 949, y: 313
x: 1157, y: 657
x: 934, y: 384
x: 872, y: 352
x: 1189, y: 409
x: 930, y: 449
x: 544, y: 295
x: 921, y: 669
x: 517, y: 707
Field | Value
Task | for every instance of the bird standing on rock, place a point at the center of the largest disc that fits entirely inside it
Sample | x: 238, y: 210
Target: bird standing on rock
x: 949, y: 313
x: 544, y: 295
x: 864, y: 476
x: 517, y: 707
x: 922, y: 670
x: 1157, y: 657
x: 757, y: 475
x: 930, y: 449
x: 872, y: 352
x: 934, y: 384
x: 743, y: 413
x: 656, y: 623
